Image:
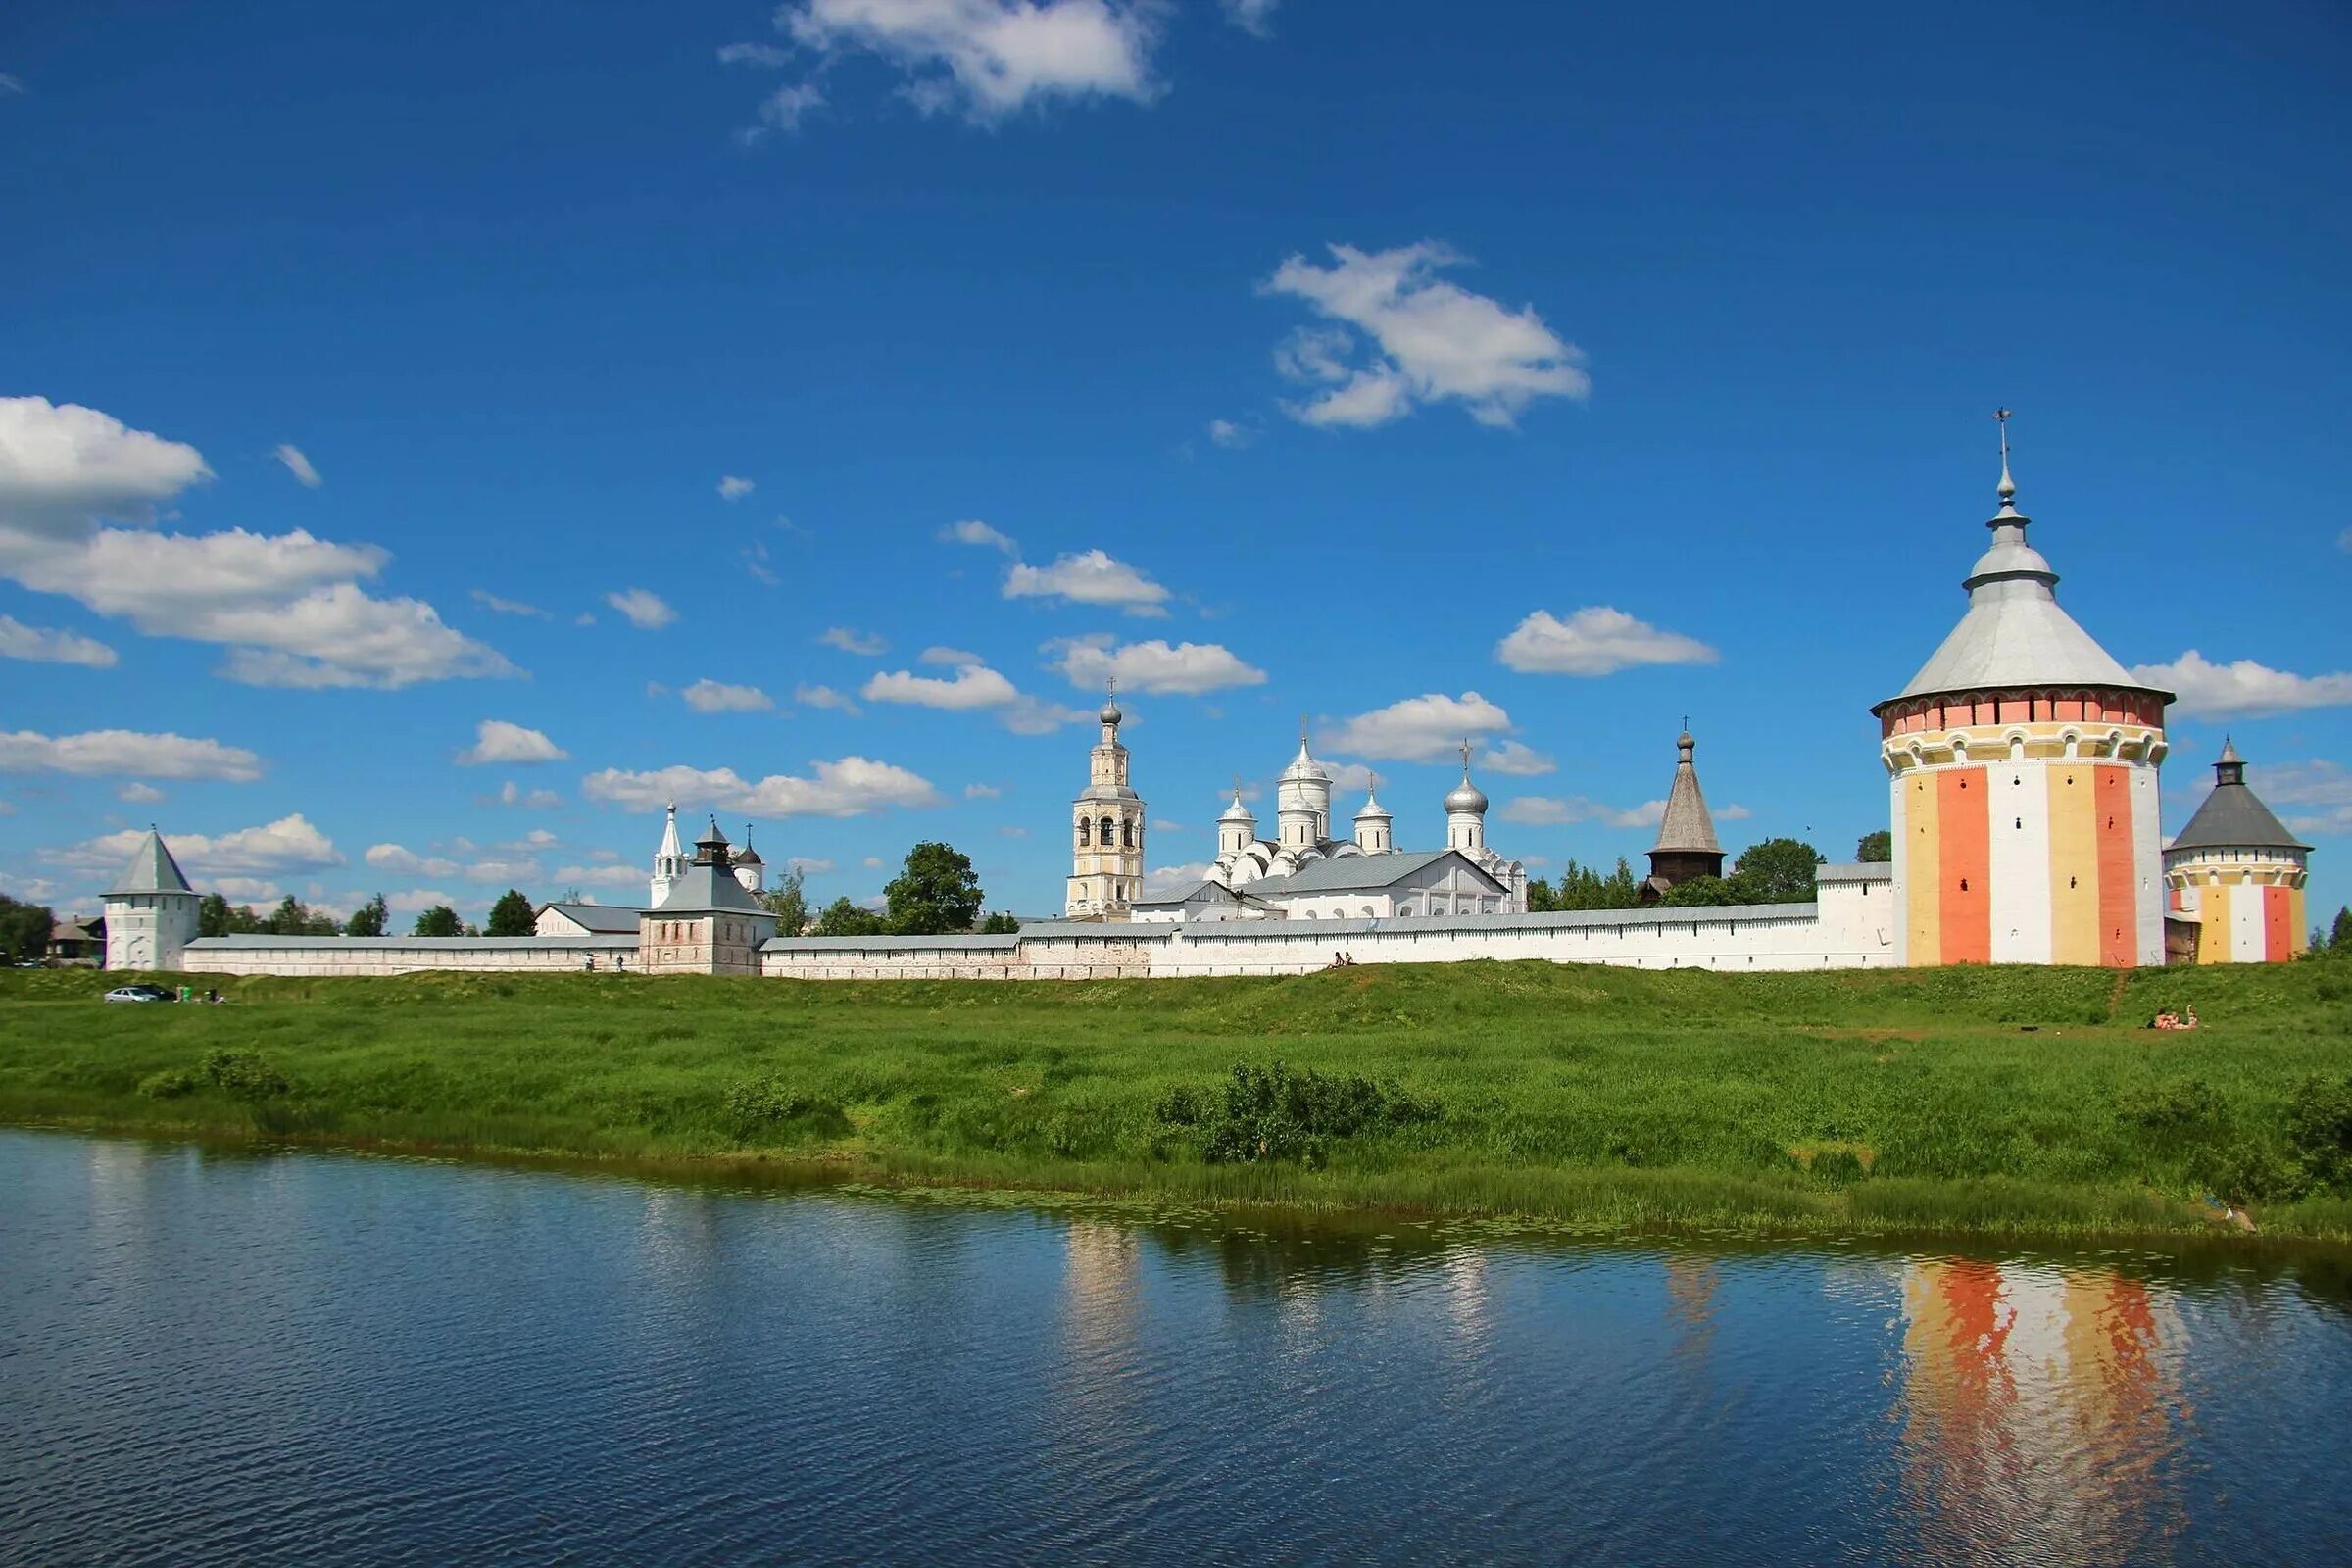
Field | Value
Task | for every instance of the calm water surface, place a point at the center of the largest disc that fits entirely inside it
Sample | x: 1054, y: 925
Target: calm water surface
x: 312, y: 1358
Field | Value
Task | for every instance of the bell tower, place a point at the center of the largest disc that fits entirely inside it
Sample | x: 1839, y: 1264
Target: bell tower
x: 1107, y: 830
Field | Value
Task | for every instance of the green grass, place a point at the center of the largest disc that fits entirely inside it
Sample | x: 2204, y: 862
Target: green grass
x: 2010, y: 1100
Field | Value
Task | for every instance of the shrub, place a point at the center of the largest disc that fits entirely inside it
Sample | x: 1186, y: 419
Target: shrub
x: 2319, y: 1124
x: 1272, y: 1113
x: 2246, y: 1170
x: 765, y: 1106
x: 244, y: 1074
x: 169, y: 1083
x: 2172, y: 1106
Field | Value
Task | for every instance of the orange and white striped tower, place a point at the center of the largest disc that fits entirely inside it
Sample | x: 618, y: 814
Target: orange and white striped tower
x: 2023, y: 762
x: 2237, y: 873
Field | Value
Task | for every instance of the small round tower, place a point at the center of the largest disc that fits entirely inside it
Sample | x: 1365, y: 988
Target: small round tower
x: 2238, y: 874
x: 1237, y: 827
x: 1374, y: 824
x: 1466, y: 812
x: 750, y: 869
x: 1303, y: 801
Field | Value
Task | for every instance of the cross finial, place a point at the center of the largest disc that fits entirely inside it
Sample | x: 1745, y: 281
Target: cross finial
x: 1465, y: 757
x: 1111, y: 686
x: 1303, y: 730
x: 2008, y: 487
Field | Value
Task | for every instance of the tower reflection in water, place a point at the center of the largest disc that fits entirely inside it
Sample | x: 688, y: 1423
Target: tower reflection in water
x: 2038, y: 1411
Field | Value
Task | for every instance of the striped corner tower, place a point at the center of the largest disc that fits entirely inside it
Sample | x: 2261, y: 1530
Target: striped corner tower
x: 2238, y: 874
x: 2023, y: 762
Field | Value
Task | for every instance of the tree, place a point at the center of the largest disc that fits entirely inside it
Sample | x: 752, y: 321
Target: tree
x: 1581, y: 887
x: 438, y: 921
x: 936, y: 895
x: 1775, y: 871
x: 1698, y: 892
x: 788, y: 901
x: 2339, y: 940
x: 25, y: 930
x: 214, y: 918
x: 1875, y: 849
x: 842, y: 919
x: 368, y: 920
x: 998, y: 924
x: 512, y: 916
x: 1541, y: 899
x: 294, y: 918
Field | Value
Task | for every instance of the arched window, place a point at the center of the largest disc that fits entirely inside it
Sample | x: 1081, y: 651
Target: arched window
x: 1110, y: 832
x: 1086, y: 832
x: 1127, y: 834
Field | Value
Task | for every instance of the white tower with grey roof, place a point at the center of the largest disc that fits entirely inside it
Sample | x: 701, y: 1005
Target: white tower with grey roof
x: 151, y: 911
x: 1107, y: 830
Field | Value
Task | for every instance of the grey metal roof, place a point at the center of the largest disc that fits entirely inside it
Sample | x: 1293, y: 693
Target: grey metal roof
x: 1862, y: 871
x: 1356, y: 873
x: 2014, y: 633
x: 151, y: 870
x: 606, y: 917
x: 602, y: 944
x: 2233, y: 818
x: 705, y: 888
x: 1686, y: 827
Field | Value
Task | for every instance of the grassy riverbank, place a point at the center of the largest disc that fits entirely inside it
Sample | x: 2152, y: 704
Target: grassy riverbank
x: 2013, y: 1100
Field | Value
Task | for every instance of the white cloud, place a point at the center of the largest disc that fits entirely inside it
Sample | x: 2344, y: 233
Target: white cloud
x: 982, y: 791
x: 1226, y: 434
x: 508, y: 606
x: 2242, y: 690
x: 948, y: 656
x: 137, y: 794
x: 807, y: 866
x: 43, y: 646
x: 522, y: 868
x: 1596, y: 640
x: 1253, y: 16
x: 1161, y: 880
x: 1513, y: 760
x: 988, y: 58
x: 497, y: 741
x: 643, y: 609
x: 298, y: 466
x: 865, y: 645
x: 2343, y: 541
x: 708, y: 696
x: 872, y: 862
x: 1154, y: 666
x: 514, y: 794
x: 824, y: 697
x: 1419, y: 729
x: 733, y: 487
x: 598, y: 876
x: 289, y: 844
x: 1089, y: 577
x: 121, y: 752
x: 1542, y: 810
x: 10, y: 84
x: 417, y: 900
x: 972, y: 531
x: 62, y: 465
x: 974, y: 688
x: 2324, y: 786
x: 754, y: 54
x: 852, y: 786
x: 1009, y: 830
x: 1430, y: 341
x: 399, y: 860
x: 1733, y: 812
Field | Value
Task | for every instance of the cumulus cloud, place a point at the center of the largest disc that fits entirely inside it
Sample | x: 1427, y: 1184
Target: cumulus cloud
x: 2321, y: 789
x: 642, y: 607
x: 1542, y: 810
x: 508, y: 606
x: 808, y: 866
x: 1403, y: 336
x: 121, y: 751
x: 709, y: 696
x: 42, y: 646
x: 2245, y: 689
x: 598, y: 876
x: 1514, y: 760
x: 497, y: 741
x: 1156, y: 667
x: 1598, y: 640
x: 1253, y: 16
x: 1161, y: 880
x: 981, y: 792
x: 987, y: 58
x: 288, y: 607
x: 137, y: 794
x: 754, y: 54
x: 948, y: 656
x: 865, y: 645
x: 399, y: 860
x: 972, y: 531
x: 974, y: 688
x: 733, y: 487
x: 850, y: 786
x: 1230, y: 435
x: 824, y: 697
x: 514, y: 794
x: 298, y: 466
x: 1419, y: 729
x: 289, y: 844
x: 1088, y: 578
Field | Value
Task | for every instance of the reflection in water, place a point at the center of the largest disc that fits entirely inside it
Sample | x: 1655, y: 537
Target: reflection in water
x: 1691, y: 1280
x: 2039, y: 1407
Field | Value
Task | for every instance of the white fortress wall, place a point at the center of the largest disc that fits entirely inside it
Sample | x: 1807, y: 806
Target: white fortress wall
x: 378, y: 956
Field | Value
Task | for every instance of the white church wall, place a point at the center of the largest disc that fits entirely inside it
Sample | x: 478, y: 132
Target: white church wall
x: 383, y: 956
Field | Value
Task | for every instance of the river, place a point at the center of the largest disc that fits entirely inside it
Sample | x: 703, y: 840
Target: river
x: 214, y: 1356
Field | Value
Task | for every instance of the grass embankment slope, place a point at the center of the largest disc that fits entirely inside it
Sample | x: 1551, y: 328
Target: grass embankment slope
x: 2020, y: 1101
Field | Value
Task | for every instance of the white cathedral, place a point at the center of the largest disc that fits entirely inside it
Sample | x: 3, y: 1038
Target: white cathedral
x: 1304, y: 871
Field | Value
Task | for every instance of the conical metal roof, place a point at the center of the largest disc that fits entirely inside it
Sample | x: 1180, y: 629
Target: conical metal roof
x: 2233, y: 816
x: 151, y: 870
x: 1687, y: 826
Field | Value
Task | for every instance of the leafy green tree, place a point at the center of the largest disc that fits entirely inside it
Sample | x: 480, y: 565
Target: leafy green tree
x: 215, y: 919
x: 512, y: 916
x: 438, y: 921
x: 1875, y: 849
x: 368, y: 920
x: 1540, y: 898
x: 788, y: 901
x: 842, y: 919
x: 2340, y: 939
x: 25, y: 929
x: 1698, y: 892
x: 1583, y: 887
x: 1775, y: 871
x: 294, y: 918
x: 998, y: 924
x: 936, y: 895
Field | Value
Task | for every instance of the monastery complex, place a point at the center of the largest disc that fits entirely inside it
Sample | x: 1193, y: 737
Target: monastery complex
x: 2023, y: 764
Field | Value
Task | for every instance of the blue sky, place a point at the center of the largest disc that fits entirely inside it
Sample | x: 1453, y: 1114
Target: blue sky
x: 657, y: 386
